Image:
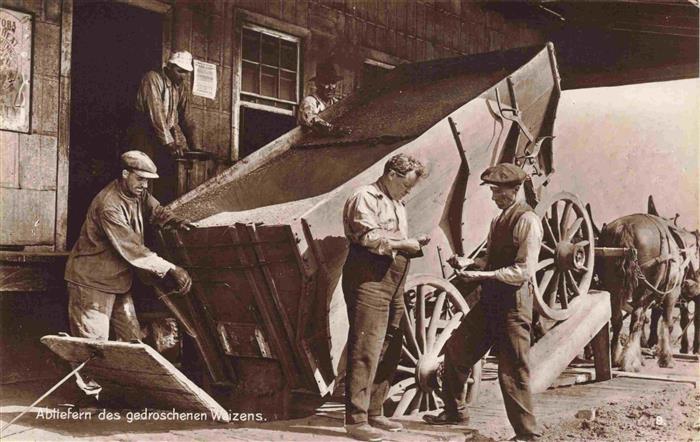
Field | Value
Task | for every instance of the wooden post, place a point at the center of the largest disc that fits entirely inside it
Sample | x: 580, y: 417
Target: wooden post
x: 601, y: 354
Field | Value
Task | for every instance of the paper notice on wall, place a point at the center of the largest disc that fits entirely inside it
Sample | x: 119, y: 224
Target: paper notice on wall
x: 204, y: 84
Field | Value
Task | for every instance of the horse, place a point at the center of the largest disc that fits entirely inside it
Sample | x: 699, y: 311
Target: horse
x: 663, y: 262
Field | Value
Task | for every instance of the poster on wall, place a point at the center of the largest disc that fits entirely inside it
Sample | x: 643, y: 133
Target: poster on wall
x: 204, y: 80
x: 15, y: 70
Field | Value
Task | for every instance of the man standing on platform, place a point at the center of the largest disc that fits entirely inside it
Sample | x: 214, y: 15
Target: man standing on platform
x: 163, y: 126
x: 311, y: 106
x: 503, y: 316
x: 374, y: 274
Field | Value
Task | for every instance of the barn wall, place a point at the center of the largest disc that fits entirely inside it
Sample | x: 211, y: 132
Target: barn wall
x: 31, y: 175
x: 348, y: 31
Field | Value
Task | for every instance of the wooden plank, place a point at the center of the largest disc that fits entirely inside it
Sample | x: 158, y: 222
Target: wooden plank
x: 27, y: 216
x: 47, y: 39
x: 141, y: 360
x: 63, y: 142
x: 37, y: 162
x: 9, y: 166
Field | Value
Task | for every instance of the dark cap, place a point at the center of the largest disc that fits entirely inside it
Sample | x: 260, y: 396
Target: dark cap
x: 503, y: 174
x: 139, y: 163
x: 326, y: 73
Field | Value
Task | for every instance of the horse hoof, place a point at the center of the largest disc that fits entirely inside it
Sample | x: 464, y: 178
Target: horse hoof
x: 666, y: 362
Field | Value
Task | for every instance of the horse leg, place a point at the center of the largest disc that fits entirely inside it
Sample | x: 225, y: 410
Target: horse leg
x: 685, y: 319
x: 665, y: 353
x: 654, y: 327
x: 696, y: 326
x: 616, y: 323
x: 632, y: 353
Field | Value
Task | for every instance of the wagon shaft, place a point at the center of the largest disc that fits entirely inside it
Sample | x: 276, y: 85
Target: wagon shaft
x: 266, y: 258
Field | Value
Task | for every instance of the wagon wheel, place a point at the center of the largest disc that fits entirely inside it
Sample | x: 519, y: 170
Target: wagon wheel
x: 565, y: 266
x: 434, y: 309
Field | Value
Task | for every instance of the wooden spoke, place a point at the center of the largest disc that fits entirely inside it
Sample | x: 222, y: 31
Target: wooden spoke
x: 447, y: 332
x: 401, y: 386
x: 582, y: 243
x: 565, y: 216
x: 551, y: 295
x: 407, y: 354
x: 546, y: 279
x: 410, y: 337
x: 545, y: 263
x: 420, y: 318
x: 562, y: 292
x: 405, y: 401
x: 548, y: 230
x: 572, y: 282
x: 404, y: 369
x: 435, y: 318
x: 555, y: 221
x: 573, y: 229
x: 548, y: 249
x: 414, y: 406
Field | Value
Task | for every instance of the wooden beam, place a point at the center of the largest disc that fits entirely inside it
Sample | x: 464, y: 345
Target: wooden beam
x: 552, y: 354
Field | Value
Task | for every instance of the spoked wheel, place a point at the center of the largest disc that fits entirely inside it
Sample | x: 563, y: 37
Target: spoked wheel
x: 565, y: 267
x: 434, y: 309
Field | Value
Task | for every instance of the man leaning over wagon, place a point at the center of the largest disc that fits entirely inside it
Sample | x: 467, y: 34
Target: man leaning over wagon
x: 110, y: 248
x: 503, y: 315
x: 374, y: 274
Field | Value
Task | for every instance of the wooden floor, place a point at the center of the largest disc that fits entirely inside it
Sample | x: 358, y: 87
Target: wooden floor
x: 488, y: 419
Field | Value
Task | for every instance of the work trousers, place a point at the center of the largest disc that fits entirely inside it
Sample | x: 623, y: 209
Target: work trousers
x: 501, y: 320
x: 373, y: 287
x: 90, y: 312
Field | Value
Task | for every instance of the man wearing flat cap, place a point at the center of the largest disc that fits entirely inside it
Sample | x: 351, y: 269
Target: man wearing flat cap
x: 110, y: 248
x: 503, y: 316
x: 163, y: 126
x: 312, y: 105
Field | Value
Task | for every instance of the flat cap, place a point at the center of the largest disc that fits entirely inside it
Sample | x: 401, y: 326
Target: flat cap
x: 139, y: 163
x: 503, y: 174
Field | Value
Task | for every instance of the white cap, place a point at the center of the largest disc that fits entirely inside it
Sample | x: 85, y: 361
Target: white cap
x: 182, y: 59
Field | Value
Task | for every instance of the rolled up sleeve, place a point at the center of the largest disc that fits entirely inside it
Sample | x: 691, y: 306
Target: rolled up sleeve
x: 362, y: 224
x: 527, y: 236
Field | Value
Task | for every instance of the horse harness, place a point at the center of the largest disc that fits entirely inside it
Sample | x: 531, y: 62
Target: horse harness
x: 667, y: 234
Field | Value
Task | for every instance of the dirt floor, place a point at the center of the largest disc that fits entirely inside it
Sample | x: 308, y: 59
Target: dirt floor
x: 625, y: 409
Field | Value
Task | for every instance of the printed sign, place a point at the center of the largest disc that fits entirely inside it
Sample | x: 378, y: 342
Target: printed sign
x: 15, y: 70
x: 204, y: 80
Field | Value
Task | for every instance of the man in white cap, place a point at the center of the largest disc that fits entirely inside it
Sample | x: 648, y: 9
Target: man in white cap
x: 163, y: 126
x: 101, y: 266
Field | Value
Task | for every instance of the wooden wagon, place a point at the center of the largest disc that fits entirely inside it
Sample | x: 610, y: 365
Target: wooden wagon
x: 266, y: 315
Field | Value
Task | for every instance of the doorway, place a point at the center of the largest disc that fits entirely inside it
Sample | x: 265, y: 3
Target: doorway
x: 114, y: 44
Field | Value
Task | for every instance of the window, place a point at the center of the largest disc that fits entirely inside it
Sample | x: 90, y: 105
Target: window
x: 373, y: 71
x: 270, y: 70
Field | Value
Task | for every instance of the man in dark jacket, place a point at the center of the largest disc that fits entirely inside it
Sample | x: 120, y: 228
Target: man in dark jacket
x: 503, y: 315
x: 163, y: 126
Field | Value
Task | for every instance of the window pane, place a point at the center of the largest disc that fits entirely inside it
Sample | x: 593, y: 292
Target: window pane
x: 288, y: 86
x: 289, y: 55
x: 270, y: 50
x: 251, y: 45
x: 250, y: 78
x: 268, y: 86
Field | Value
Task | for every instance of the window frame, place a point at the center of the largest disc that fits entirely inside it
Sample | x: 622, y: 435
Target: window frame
x: 262, y: 106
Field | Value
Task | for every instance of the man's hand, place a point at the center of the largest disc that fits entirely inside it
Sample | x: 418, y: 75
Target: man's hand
x: 460, y: 262
x: 340, y: 131
x: 423, y: 240
x: 175, y: 150
x: 473, y: 275
x: 180, y: 223
x: 182, y: 279
x: 411, y: 246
